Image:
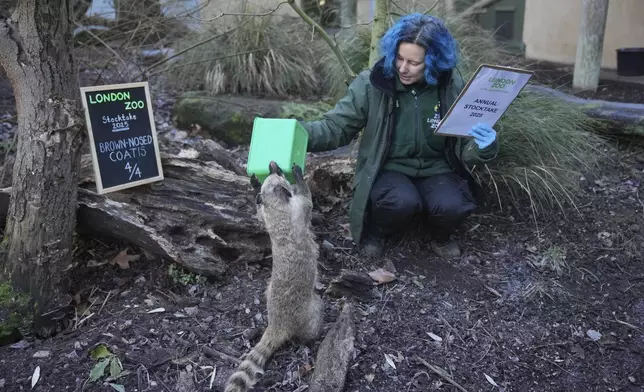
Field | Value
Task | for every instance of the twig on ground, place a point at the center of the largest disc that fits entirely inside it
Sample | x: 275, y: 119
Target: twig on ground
x: 489, y: 347
x: 548, y: 345
x: 416, y: 376
x: 554, y: 364
x: 440, y: 372
x: 443, y: 319
x: 212, y: 353
x: 625, y: 323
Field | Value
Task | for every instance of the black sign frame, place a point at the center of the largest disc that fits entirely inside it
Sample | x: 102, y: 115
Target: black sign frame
x: 145, y: 131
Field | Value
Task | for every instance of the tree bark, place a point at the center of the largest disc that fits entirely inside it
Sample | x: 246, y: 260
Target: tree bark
x: 381, y: 12
x: 478, y: 6
x: 36, y: 52
x: 590, y: 44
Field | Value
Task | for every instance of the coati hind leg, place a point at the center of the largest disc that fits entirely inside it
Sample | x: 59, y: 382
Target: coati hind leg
x: 313, y: 319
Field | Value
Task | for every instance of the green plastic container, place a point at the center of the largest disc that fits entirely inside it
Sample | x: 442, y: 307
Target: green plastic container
x: 283, y: 140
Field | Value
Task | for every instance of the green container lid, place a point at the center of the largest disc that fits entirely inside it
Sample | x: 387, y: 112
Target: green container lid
x: 283, y: 140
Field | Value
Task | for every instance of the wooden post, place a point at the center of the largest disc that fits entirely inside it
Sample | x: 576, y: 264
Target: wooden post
x: 590, y: 44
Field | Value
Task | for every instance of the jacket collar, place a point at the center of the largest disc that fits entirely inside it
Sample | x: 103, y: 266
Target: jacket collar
x: 388, y: 85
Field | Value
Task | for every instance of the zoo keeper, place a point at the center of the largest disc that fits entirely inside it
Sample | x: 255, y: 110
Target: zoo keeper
x: 403, y: 168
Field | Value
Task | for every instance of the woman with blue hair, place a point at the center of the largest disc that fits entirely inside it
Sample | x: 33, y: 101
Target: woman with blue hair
x: 403, y: 168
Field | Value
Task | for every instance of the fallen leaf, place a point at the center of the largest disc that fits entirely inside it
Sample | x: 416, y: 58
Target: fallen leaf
x: 118, y: 387
x: 157, y: 310
x: 99, y: 352
x: 123, y: 259
x: 382, y: 276
x: 370, y: 377
x: 435, y: 337
x: 98, y: 369
x: 415, y: 281
x: 115, y: 368
x: 390, y: 361
x: 42, y: 354
x: 594, y: 335
x: 491, y: 381
x: 212, y: 376
x: 35, y: 377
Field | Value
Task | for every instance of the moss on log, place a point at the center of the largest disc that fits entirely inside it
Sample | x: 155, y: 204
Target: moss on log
x: 230, y: 118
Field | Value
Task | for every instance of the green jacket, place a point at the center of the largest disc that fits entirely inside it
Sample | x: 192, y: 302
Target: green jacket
x: 369, y: 104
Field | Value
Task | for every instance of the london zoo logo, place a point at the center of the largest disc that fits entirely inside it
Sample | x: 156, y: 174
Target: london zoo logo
x: 500, y: 83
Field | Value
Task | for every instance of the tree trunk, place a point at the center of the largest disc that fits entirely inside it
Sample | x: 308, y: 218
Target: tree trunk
x: 378, y: 29
x: 348, y: 13
x: 590, y: 44
x: 36, y: 52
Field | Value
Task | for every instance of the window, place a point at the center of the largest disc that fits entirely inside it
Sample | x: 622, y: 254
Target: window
x: 504, y: 24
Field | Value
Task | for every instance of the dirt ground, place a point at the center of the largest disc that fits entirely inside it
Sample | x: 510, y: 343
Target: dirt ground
x: 560, y: 308
x: 553, y: 306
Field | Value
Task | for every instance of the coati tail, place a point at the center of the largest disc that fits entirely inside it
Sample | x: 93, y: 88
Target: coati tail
x: 252, y: 367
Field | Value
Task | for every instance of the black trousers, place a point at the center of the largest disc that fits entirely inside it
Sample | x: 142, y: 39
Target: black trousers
x: 445, y: 200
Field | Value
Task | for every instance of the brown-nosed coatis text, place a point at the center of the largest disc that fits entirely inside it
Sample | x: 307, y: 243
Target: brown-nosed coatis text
x: 294, y: 308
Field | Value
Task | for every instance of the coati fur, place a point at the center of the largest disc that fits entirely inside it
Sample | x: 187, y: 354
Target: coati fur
x: 295, y: 310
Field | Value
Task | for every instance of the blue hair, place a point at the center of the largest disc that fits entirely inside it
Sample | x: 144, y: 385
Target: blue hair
x: 427, y: 31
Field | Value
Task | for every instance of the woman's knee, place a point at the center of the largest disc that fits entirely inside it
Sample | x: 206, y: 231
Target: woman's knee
x: 394, y: 192
x: 448, y: 196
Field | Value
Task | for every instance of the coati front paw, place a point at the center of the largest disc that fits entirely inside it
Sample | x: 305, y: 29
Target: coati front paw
x: 257, y: 188
x: 254, y: 182
x: 297, y: 173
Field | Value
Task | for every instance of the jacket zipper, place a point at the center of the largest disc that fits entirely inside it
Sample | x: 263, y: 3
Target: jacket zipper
x: 417, y: 136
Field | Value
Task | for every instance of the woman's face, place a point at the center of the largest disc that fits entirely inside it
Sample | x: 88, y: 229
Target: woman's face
x: 410, y: 63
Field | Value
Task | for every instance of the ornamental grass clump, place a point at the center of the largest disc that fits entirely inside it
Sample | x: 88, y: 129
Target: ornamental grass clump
x: 261, y: 55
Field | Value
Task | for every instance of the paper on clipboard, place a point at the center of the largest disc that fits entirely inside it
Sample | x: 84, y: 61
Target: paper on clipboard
x: 485, y: 98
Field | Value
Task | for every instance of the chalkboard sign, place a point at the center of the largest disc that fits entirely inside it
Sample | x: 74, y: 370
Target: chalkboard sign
x: 122, y: 135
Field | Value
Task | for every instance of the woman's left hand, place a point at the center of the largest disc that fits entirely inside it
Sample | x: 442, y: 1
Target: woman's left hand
x: 483, y: 134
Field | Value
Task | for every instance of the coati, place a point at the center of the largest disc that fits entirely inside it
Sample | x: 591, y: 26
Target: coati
x: 295, y: 310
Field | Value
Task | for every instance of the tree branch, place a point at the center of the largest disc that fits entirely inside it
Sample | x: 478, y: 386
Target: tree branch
x: 179, y: 53
x: 325, y: 36
x: 221, y: 15
x: 474, y: 8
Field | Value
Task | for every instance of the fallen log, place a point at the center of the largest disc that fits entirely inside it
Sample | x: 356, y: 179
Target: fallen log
x: 201, y: 216
x: 629, y: 115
